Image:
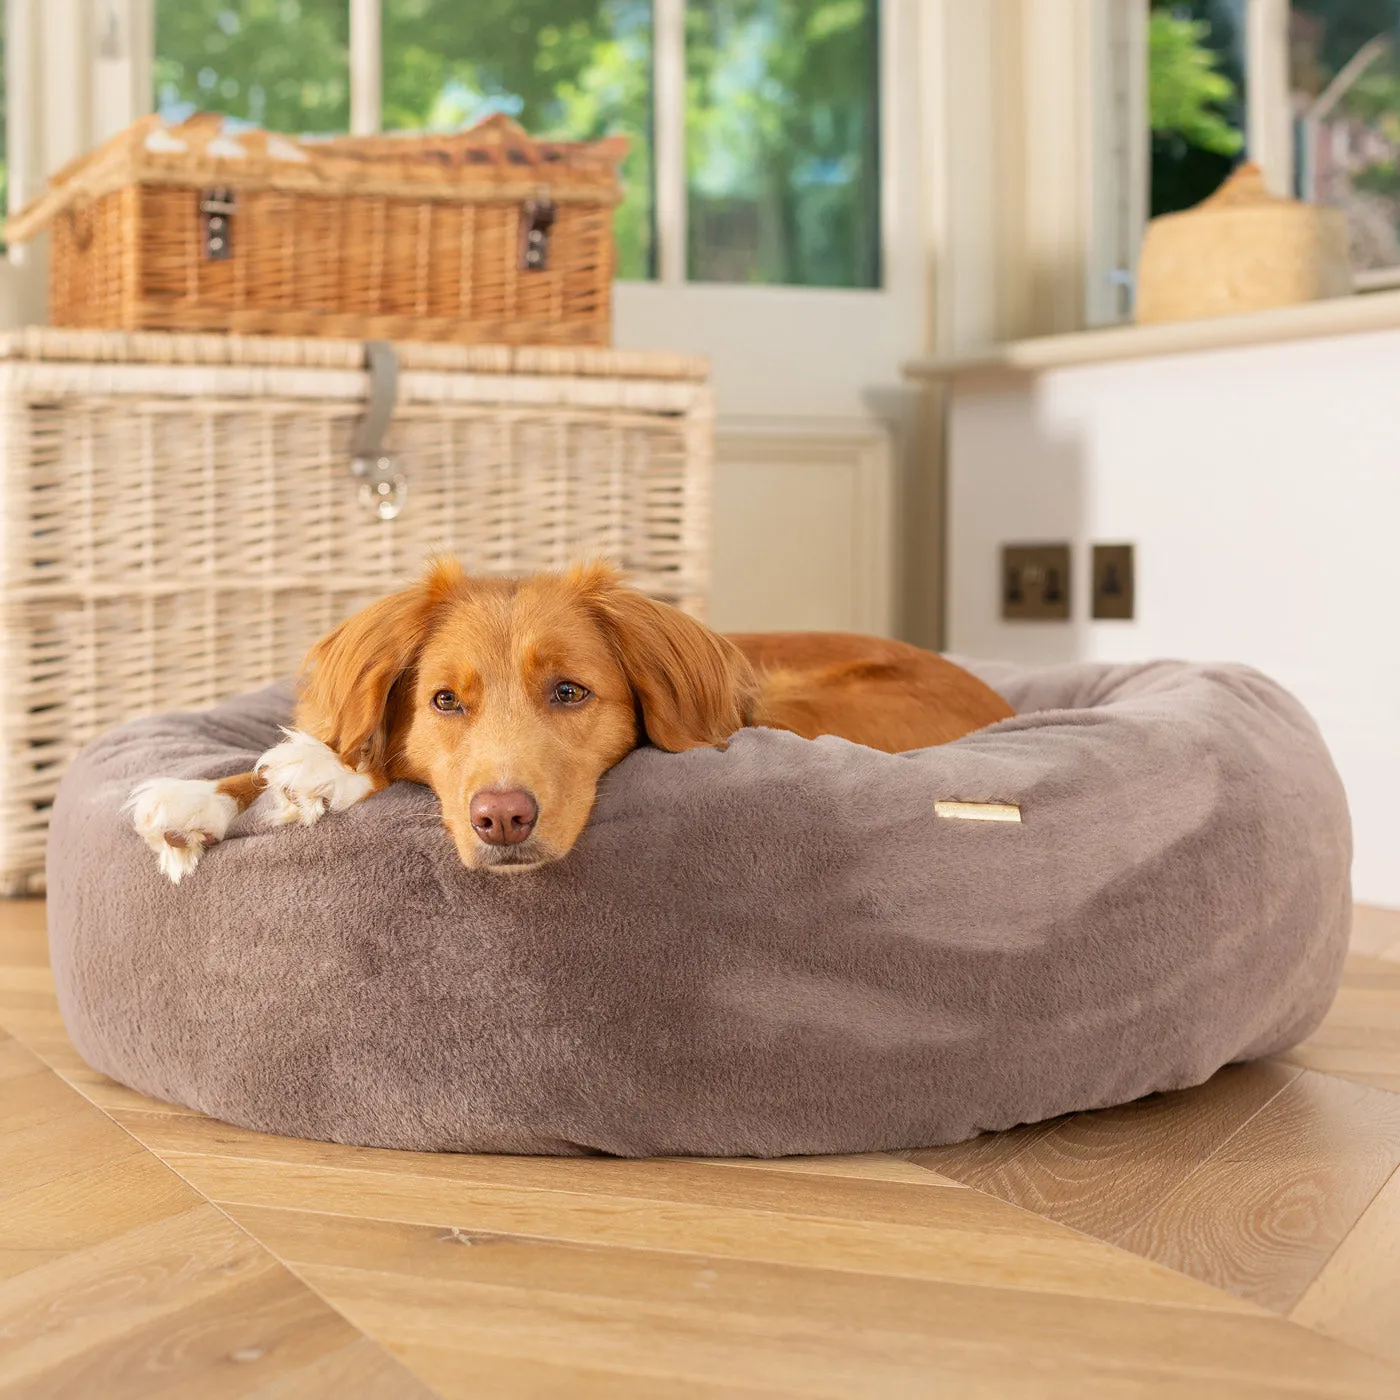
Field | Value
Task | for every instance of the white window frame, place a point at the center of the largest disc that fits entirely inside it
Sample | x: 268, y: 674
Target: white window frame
x: 76, y: 72
x: 1120, y: 158
x: 1269, y: 111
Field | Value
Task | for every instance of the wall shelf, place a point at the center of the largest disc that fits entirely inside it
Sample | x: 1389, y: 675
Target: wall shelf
x: 1314, y: 320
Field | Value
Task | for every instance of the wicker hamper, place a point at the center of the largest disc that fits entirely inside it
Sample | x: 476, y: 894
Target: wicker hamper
x: 482, y: 237
x: 181, y: 521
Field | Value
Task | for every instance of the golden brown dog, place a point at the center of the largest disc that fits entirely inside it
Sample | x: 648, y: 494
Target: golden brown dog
x: 510, y: 698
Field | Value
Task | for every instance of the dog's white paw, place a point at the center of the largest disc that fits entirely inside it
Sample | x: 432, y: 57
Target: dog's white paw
x: 306, y: 779
x: 179, y: 819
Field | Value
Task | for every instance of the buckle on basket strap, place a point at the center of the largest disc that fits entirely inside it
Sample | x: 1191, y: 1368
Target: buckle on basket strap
x: 218, y: 208
x: 536, y: 219
x: 383, y: 488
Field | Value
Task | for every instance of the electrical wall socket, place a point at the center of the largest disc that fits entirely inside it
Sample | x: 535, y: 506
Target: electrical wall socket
x: 1113, y: 582
x: 1035, y: 582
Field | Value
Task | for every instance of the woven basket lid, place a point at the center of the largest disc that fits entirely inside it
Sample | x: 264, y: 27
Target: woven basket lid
x: 491, y: 161
x: 89, y: 348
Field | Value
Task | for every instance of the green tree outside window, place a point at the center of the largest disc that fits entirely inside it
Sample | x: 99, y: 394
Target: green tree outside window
x: 1195, y: 98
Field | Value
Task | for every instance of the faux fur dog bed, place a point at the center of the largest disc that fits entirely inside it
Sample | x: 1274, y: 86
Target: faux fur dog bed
x: 780, y: 948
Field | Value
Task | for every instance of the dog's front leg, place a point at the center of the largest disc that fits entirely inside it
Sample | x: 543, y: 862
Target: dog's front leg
x: 306, y: 779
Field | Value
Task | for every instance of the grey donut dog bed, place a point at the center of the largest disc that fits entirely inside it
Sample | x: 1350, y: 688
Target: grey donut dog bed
x: 778, y: 948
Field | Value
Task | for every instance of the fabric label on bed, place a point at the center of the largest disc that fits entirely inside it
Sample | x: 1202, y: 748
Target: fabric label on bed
x: 978, y: 811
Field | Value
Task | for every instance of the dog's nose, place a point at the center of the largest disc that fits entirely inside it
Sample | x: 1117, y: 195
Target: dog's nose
x: 503, y: 818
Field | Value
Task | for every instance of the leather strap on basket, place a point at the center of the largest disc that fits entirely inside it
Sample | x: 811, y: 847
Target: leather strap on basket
x: 383, y: 488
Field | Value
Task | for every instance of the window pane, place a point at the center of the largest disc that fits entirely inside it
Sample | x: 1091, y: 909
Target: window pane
x: 1196, y: 98
x: 576, y: 69
x: 782, y: 127
x: 282, y: 64
x: 1346, y: 101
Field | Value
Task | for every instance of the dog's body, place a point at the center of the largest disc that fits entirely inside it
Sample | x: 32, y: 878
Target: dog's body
x: 511, y: 698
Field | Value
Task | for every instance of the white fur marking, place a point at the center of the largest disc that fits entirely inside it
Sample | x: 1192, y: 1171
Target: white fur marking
x: 306, y: 779
x: 193, y: 809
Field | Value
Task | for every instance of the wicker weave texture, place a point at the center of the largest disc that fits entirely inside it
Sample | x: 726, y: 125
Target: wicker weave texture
x: 174, y: 535
x: 369, y: 267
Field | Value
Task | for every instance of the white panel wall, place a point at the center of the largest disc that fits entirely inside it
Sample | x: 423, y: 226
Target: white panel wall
x: 804, y: 531
x: 1261, y: 487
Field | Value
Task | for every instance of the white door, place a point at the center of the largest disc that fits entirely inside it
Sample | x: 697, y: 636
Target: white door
x: 772, y: 220
x: 814, y: 424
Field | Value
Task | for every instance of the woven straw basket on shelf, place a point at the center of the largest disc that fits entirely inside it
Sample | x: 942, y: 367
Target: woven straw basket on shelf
x: 1243, y: 249
x: 181, y: 521
x: 486, y: 236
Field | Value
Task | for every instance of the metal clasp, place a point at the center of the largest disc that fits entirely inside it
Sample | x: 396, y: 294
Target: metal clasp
x: 383, y: 488
x: 536, y: 219
x: 218, y: 207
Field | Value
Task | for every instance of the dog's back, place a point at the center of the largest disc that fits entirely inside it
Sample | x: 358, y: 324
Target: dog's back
x: 885, y: 694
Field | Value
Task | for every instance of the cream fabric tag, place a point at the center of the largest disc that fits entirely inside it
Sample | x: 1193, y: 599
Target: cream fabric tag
x: 978, y: 811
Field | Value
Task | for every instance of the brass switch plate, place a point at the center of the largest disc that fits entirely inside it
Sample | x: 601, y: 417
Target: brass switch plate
x: 1035, y: 582
x: 1113, y: 581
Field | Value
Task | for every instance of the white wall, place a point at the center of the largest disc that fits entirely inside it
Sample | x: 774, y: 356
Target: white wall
x: 1261, y: 487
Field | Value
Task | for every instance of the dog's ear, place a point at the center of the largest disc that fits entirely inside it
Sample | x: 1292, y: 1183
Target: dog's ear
x: 348, y: 676
x: 694, y: 688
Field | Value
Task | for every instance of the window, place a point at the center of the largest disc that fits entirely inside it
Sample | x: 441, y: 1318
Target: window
x: 777, y: 100
x: 1196, y: 96
x: 1344, y: 75
x: 1326, y: 76
x: 782, y: 130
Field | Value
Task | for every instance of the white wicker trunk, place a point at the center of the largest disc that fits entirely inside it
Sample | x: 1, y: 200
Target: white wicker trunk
x: 180, y: 522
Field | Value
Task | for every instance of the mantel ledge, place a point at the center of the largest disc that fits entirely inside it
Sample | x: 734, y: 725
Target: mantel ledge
x: 1354, y: 315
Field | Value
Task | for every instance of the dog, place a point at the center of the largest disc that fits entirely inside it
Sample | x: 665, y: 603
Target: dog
x: 510, y: 698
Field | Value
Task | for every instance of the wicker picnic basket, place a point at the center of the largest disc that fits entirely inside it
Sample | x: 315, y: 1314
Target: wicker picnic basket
x: 181, y: 519
x: 486, y: 236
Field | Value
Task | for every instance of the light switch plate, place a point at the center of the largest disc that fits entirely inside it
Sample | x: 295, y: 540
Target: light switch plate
x: 1035, y: 582
x: 1113, y: 582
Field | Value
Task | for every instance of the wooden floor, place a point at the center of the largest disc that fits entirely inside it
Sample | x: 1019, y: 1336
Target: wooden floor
x: 1238, y: 1240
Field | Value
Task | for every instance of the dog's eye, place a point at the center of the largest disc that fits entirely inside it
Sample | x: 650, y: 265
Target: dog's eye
x: 446, y: 702
x: 570, y: 693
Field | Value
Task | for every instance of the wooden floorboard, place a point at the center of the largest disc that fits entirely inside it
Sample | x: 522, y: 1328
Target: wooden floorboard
x: 1144, y: 1149
x: 1262, y: 1216
x: 1241, y: 1239
x: 1356, y: 1296
x: 118, y: 1279
x: 708, y: 1319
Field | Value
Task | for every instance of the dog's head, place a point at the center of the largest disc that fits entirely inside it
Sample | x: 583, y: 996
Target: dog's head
x: 510, y: 698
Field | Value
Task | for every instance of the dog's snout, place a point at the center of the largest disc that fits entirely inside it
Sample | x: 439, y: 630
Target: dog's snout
x: 503, y: 818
